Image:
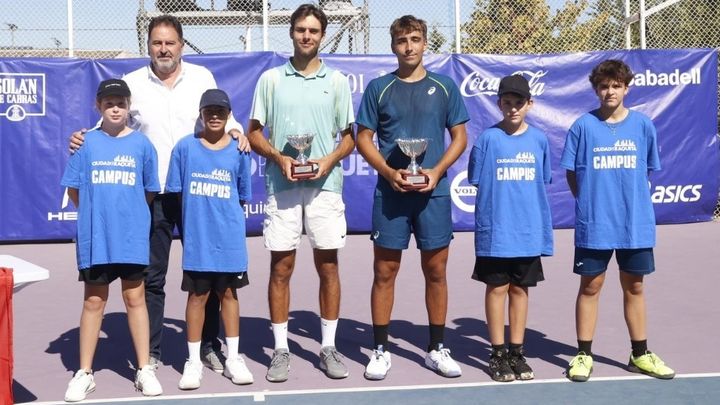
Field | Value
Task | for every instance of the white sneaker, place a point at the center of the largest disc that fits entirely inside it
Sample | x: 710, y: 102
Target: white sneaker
x: 441, y: 362
x: 378, y: 366
x: 147, y: 383
x: 81, y: 384
x: 237, y: 371
x: 192, y: 374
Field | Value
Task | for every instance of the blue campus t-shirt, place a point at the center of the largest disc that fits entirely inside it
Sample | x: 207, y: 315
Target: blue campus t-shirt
x: 512, y: 214
x: 212, y: 183
x: 112, y: 175
x: 613, y: 209
x: 395, y: 109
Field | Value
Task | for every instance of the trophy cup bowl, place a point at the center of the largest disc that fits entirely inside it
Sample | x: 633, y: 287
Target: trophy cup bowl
x: 414, y: 148
x: 303, y: 169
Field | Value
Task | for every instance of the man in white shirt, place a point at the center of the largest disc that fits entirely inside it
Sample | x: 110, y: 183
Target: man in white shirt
x: 164, y: 106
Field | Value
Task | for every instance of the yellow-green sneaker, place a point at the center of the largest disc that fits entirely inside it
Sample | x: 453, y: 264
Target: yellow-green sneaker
x: 580, y: 367
x: 650, y: 364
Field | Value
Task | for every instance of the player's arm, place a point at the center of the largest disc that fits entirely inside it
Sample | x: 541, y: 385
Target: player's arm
x: 572, y: 182
x: 77, y: 138
x: 372, y: 155
x: 262, y: 147
x: 458, y: 136
x: 74, y: 195
x: 150, y: 196
x: 344, y: 148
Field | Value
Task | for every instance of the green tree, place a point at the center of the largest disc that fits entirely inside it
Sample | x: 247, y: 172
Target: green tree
x: 530, y: 26
x: 507, y: 26
x: 611, y: 35
x: 686, y: 24
x: 436, y: 40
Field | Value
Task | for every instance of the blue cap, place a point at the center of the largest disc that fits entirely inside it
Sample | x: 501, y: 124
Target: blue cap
x: 215, y: 97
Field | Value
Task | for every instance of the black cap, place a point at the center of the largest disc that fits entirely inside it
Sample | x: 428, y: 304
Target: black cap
x: 215, y: 97
x: 113, y: 87
x: 514, y: 84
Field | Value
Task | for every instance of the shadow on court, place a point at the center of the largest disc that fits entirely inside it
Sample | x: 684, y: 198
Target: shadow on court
x: 22, y: 394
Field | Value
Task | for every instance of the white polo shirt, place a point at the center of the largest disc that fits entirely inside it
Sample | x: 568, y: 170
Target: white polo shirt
x: 165, y: 114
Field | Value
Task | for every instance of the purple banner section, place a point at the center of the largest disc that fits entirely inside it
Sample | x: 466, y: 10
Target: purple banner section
x: 42, y: 101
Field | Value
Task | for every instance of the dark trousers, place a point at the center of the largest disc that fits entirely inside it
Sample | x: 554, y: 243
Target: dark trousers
x: 166, y: 214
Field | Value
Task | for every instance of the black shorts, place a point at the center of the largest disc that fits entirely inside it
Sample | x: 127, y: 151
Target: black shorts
x: 104, y: 274
x: 200, y: 282
x: 520, y: 271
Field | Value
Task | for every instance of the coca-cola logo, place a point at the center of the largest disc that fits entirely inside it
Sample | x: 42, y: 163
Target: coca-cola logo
x: 476, y: 85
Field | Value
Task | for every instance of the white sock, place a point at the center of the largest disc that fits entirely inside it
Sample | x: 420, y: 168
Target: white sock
x: 280, y: 334
x: 327, y: 330
x: 233, y: 343
x: 194, y: 352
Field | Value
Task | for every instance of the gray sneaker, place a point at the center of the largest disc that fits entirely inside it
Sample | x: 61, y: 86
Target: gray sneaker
x: 279, y: 366
x: 214, y: 360
x: 154, y: 362
x: 331, y: 363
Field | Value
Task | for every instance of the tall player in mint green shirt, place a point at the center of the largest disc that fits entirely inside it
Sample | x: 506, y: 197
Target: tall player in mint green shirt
x: 608, y: 155
x: 303, y: 96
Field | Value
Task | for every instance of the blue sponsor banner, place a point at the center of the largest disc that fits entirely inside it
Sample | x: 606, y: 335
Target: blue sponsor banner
x: 42, y: 101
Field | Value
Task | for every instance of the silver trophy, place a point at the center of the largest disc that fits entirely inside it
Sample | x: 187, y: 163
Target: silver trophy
x: 304, y: 168
x: 414, y: 148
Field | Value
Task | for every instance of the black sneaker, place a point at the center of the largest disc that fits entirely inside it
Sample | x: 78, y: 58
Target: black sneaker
x: 499, y: 367
x: 519, y: 366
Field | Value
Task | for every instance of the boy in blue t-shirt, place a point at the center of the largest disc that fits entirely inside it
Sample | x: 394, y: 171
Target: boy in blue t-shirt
x: 608, y: 154
x: 214, y: 181
x: 510, y: 164
x: 111, y: 181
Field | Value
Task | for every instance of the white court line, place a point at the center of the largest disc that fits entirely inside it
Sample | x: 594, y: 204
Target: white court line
x: 259, y: 396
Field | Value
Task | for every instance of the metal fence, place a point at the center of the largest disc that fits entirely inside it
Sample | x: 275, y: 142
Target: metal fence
x: 118, y: 28
x: 112, y: 28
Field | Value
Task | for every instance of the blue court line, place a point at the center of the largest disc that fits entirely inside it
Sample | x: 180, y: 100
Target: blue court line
x: 684, y: 389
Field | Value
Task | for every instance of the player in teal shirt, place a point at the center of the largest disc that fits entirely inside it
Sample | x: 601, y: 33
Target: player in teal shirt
x: 411, y: 103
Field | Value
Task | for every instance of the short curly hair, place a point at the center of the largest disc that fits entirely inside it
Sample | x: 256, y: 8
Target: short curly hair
x: 612, y: 69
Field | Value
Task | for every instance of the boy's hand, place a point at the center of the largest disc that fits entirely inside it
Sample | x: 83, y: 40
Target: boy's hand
x: 395, y: 178
x: 433, y: 179
x: 243, y: 143
x: 285, y: 163
x: 323, y: 167
x: 77, y: 138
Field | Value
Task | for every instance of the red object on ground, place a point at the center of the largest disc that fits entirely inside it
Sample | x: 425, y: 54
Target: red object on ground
x: 6, y: 336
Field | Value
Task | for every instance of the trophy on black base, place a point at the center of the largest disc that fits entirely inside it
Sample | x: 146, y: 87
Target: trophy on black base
x: 414, y: 148
x: 303, y: 169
